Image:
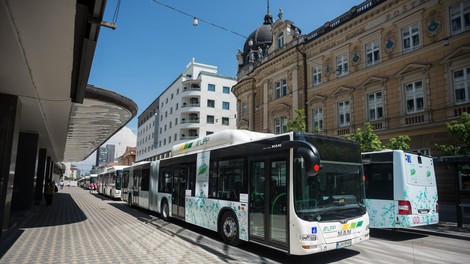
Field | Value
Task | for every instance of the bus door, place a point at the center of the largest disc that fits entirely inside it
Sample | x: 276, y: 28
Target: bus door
x: 136, y: 186
x: 180, y: 179
x: 268, y: 202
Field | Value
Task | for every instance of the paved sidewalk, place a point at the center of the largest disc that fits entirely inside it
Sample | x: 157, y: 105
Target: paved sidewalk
x: 81, y: 227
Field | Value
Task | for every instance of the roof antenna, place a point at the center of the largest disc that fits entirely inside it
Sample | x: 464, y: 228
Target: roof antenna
x: 268, y: 8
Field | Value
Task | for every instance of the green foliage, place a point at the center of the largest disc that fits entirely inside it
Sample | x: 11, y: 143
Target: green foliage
x: 460, y: 129
x: 400, y: 142
x: 298, y: 124
x: 367, y: 139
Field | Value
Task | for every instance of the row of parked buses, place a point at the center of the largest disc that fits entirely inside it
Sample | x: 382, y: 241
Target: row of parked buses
x: 300, y: 193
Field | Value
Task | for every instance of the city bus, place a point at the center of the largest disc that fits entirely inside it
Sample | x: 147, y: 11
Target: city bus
x: 299, y: 193
x: 401, y: 189
x: 89, y: 180
x: 110, y: 181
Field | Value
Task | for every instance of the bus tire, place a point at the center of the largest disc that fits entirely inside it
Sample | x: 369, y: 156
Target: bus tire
x: 229, y: 229
x: 165, y: 211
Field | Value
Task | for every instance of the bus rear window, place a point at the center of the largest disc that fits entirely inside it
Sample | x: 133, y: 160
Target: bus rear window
x: 379, y: 181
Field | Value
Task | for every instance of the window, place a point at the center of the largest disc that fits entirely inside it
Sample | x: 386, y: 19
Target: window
x: 226, y: 105
x: 211, y: 87
x: 342, y: 65
x: 414, y: 97
x: 461, y: 82
x: 226, y: 90
x: 210, y: 103
x: 210, y: 119
x: 372, y: 53
x: 344, y: 114
x: 244, y: 108
x: 375, y: 106
x: 410, y: 37
x: 228, y: 179
x: 225, y: 121
x: 280, y: 40
x: 460, y: 17
x: 379, y: 184
x: 316, y: 75
x: 317, y: 115
x: 281, y: 88
x: 280, y: 125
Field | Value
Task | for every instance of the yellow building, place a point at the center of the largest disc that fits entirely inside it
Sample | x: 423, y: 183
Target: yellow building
x: 402, y: 65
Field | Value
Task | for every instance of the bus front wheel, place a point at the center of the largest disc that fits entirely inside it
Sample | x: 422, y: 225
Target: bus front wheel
x: 165, y: 211
x: 229, y: 229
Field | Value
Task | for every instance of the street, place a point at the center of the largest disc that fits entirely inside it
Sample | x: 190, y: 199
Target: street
x: 385, y: 246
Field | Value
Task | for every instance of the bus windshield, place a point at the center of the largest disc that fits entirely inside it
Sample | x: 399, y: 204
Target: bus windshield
x: 335, y: 193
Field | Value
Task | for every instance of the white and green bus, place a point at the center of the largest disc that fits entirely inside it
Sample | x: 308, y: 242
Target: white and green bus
x: 401, y: 189
x: 297, y: 192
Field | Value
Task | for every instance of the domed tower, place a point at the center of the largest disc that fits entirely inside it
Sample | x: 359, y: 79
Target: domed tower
x: 257, y: 44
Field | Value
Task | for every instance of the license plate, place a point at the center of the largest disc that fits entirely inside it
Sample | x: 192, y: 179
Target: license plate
x: 343, y: 244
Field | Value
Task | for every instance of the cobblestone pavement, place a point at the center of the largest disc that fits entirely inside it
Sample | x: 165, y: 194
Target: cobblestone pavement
x: 80, y: 227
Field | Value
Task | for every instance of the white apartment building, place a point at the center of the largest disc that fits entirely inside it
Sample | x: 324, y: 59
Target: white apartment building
x: 198, y: 103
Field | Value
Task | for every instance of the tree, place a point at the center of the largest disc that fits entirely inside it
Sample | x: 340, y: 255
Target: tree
x: 400, y: 142
x: 461, y: 129
x: 367, y: 139
x: 298, y: 124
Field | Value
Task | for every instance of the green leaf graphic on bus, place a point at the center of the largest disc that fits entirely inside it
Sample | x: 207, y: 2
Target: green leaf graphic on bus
x: 428, y: 174
x: 413, y: 172
x: 202, y: 169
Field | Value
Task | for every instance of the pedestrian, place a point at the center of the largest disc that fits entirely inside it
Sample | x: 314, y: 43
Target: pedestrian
x: 49, y: 191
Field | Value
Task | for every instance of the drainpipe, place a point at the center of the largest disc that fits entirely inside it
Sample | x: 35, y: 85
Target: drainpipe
x: 304, y: 60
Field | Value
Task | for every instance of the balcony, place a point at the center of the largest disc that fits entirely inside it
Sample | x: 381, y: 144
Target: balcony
x: 190, y: 121
x: 188, y: 134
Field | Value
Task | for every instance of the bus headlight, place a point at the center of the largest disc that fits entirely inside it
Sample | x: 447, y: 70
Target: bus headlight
x: 308, y: 237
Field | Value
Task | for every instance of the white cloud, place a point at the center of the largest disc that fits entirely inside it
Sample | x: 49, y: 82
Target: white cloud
x: 122, y: 139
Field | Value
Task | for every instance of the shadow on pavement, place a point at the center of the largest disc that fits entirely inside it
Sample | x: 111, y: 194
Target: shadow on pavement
x: 394, y: 234
x: 63, y: 211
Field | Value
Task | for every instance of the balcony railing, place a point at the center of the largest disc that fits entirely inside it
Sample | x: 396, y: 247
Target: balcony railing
x: 184, y: 137
x: 191, y: 105
x: 190, y: 121
x: 191, y: 89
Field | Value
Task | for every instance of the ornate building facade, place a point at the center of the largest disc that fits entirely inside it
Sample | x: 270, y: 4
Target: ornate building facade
x: 402, y: 66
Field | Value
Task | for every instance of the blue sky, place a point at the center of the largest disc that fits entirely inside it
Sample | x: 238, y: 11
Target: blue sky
x: 153, y: 44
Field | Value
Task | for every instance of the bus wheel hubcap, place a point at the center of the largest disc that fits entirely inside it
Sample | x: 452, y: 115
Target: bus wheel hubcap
x: 230, y: 228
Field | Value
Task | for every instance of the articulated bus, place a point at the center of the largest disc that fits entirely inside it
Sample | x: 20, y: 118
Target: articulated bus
x: 297, y: 192
x: 110, y: 181
x: 401, y: 189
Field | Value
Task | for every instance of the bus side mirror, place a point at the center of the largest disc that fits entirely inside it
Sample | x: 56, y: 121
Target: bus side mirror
x: 308, y: 152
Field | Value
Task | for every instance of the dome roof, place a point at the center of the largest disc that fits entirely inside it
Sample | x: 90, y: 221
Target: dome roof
x: 262, y: 36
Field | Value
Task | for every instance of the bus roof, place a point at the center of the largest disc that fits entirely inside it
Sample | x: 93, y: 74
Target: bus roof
x: 220, y: 139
